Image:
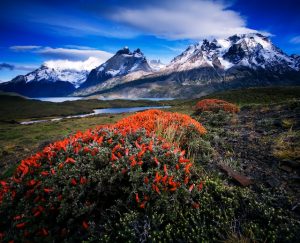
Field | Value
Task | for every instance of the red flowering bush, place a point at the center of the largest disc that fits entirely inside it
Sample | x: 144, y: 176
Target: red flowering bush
x: 124, y: 183
x: 157, y: 120
x: 71, y: 188
x: 215, y: 105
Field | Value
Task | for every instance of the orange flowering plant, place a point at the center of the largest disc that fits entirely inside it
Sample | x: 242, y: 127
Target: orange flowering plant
x: 125, y: 182
x: 215, y: 105
x: 71, y: 188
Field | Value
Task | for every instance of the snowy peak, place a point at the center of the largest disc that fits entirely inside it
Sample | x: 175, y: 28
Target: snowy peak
x: 248, y: 50
x: 122, y: 63
x: 74, y: 72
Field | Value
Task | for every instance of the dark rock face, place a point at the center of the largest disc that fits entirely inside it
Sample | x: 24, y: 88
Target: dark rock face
x: 297, y: 60
x: 235, y: 53
x: 121, y: 64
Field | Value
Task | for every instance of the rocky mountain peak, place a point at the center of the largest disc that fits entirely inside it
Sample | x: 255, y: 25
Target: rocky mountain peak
x: 253, y: 50
x: 121, y: 64
x: 123, y: 51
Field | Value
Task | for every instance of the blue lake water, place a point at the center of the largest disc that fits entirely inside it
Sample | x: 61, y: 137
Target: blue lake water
x: 57, y: 99
x: 99, y: 111
x: 62, y: 99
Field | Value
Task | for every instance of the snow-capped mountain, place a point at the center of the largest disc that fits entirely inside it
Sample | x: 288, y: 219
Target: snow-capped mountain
x: 124, y: 62
x: 253, y: 51
x: 157, y: 65
x: 74, y: 72
x: 53, y: 78
x: 244, y: 60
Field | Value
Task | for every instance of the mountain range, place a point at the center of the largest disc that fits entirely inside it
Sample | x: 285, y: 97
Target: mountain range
x: 244, y: 60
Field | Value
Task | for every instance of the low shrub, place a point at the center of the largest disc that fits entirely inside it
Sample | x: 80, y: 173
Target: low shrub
x: 116, y: 183
x: 215, y: 105
x: 172, y: 126
x: 74, y: 186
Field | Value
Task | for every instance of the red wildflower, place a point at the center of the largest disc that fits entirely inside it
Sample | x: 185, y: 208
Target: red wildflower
x: 164, y: 179
x: 191, y: 187
x: 21, y: 225
x: 70, y: 161
x: 146, y: 180
x: 143, y: 204
x: 44, y: 232
x: 133, y: 162
x: 83, y: 180
x: 44, y: 173
x: 157, y: 177
x: 118, y: 146
x: 73, y: 182
x: 183, y: 160
x: 173, y: 189
x: 59, y: 197
x: 165, y: 169
x: 18, y: 217
x: 37, y: 214
x: 31, y: 182
x: 94, y: 151
x: 150, y: 147
x: 166, y: 146
x: 187, y: 168
x: 195, y: 205
x: 137, y: 199
x: 86, y: 150
x: 126, y: 152
x: 85, y: 225
x: 200, y: 186
x: 113, y: 157
x: 155, y: 188
x: 76, y: 150
x: 48, y: 190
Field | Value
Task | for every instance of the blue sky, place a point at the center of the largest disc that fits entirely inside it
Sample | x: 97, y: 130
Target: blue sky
x: 35, y: 31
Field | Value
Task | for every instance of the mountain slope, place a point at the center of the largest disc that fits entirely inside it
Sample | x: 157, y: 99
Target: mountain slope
x: 297, y: 60
x: 239, y: 61
x: 53, y: 78
x: 124, y: 62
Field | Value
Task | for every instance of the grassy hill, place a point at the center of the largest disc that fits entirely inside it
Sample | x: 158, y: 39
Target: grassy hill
x: 259, y: 144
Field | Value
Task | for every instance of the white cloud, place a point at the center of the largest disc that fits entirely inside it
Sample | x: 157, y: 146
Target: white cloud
x: 295, y: 40
x: 24, y: 48
x: 74, y: 54
x: 88, y: 64
x: 188, y: 19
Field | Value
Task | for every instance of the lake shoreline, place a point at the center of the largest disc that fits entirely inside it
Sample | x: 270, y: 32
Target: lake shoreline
x: 104, y: 111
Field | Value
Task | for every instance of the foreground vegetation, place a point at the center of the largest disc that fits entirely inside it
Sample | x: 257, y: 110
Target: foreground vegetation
x: 130, y: 171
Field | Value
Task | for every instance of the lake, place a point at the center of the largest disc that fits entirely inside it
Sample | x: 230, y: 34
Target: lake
x: 62, y: 99
x: 99, y: 111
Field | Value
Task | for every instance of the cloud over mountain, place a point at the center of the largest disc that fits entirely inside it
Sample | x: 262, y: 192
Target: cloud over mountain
x: 75, y: 53
x: 188, y: 19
